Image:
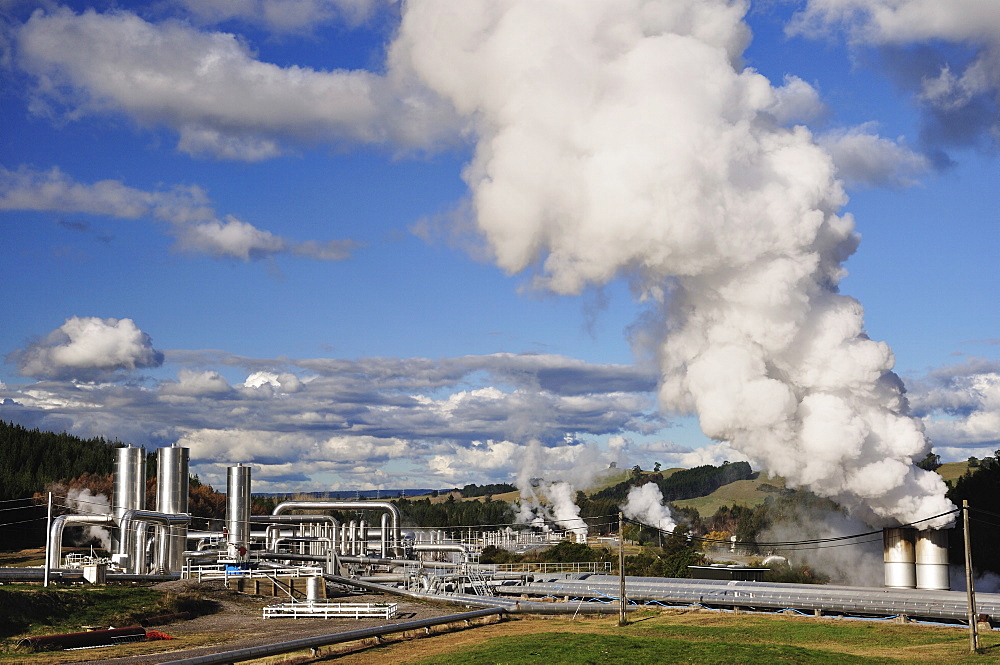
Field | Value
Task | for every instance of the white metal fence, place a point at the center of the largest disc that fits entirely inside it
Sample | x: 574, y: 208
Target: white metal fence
x: 384, y: 611
x: 218, y: 572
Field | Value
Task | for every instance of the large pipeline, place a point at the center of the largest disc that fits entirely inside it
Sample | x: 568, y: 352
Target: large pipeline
x: 253, y: 653
x: 296, y: 519
x: 59, y: 525
x: 394, y: 516
x: 132, y: 545
x: 90, y: 638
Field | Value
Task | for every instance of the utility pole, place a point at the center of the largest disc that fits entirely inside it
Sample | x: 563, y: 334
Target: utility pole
x: 48, y: 540
x: 973, y: 619
x: 622, y: 620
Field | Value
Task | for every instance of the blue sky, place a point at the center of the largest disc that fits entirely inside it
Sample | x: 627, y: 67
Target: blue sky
x: 370, y: 244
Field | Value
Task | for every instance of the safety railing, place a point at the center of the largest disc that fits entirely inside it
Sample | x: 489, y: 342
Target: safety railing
x: 592, y: 567
x: 217, y: 572
x: 322, y: 610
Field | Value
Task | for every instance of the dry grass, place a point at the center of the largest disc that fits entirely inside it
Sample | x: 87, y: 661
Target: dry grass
x: 873, y: 641
x: 952, y: 471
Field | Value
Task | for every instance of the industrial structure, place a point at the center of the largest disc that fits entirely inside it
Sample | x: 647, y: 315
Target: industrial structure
x: 373, y: 551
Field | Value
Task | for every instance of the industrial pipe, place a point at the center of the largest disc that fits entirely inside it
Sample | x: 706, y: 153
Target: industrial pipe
x: 296, y: 519
x: 130, y: 542
x: 56, y: 532
x: 252, y: 653
x: 441, y: 547
x: 394, y: 516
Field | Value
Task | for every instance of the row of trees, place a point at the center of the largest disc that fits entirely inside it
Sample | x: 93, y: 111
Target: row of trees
x: 474, y: 490
x: 980, y: 486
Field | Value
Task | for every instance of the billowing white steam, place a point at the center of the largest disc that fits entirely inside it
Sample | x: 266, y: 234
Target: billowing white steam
x: 85, y: 502
x: 546, y: 503
x: 626, y: 139
x: 645, y: 504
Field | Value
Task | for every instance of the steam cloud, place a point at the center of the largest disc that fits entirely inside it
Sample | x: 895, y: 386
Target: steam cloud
x: 545, y: 502
x: 85, y: 502
x: 645, y: 504
x: 626, y: 140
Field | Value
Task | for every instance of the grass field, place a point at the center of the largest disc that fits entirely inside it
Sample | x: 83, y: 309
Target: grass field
x: 952, y: 471
x: 741, y: 492
x: 679, y: 636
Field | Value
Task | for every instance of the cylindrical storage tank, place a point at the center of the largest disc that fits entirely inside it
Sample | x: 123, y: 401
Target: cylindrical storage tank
x: 238, y: 509
x: 129, y: 485
x: 932, y: 559
x: 898, y: 550
x: 314, y: 588
x: 172, y: 498
x: 130, y: 480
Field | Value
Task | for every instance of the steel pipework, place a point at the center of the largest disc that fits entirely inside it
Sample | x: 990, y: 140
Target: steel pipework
x: 395, y: 518
x: 326, y: 520
x: 59, y: 524
x: 132, y: 543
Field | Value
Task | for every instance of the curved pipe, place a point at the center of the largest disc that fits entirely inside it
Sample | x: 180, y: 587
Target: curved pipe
x: 395, y: 517
x: 128, y: 539
x: 296, y: 519
x: 438, y: 547
x: 59, y: 524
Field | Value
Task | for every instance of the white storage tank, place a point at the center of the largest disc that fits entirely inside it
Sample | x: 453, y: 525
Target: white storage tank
x: 932, y: 559
x: 899, y: 556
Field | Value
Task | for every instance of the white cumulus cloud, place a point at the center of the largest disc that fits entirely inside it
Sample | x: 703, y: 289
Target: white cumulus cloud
x: 86, y: 347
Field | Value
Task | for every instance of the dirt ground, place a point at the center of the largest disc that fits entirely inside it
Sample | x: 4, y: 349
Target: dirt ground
x: 239, y: 624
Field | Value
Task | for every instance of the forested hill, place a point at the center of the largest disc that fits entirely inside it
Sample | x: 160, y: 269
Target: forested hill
x: 30, y: 459
x: 684, y: 483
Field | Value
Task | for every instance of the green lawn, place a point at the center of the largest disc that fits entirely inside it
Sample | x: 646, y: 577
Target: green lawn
x: 722, y: 638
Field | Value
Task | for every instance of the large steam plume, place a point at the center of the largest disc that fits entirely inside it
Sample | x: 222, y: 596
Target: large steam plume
x: 645, y: 504
x: 626, y: 139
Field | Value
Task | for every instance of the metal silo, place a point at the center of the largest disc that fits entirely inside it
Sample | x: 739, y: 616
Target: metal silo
x: 899, y: 557
x: 130, y: 481
x: 238, y: 511
x: 172, y: 498
x: 932, y: 559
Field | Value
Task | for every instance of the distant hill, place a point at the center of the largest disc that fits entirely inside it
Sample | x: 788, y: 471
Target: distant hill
x: 681, y: 483
x: 750, y: 492
x: 952, y: 471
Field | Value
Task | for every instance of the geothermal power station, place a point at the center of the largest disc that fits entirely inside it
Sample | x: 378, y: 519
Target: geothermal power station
x: 375, y: 553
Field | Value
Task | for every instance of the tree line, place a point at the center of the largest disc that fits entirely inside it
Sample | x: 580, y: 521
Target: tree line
x: 31, y: 459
